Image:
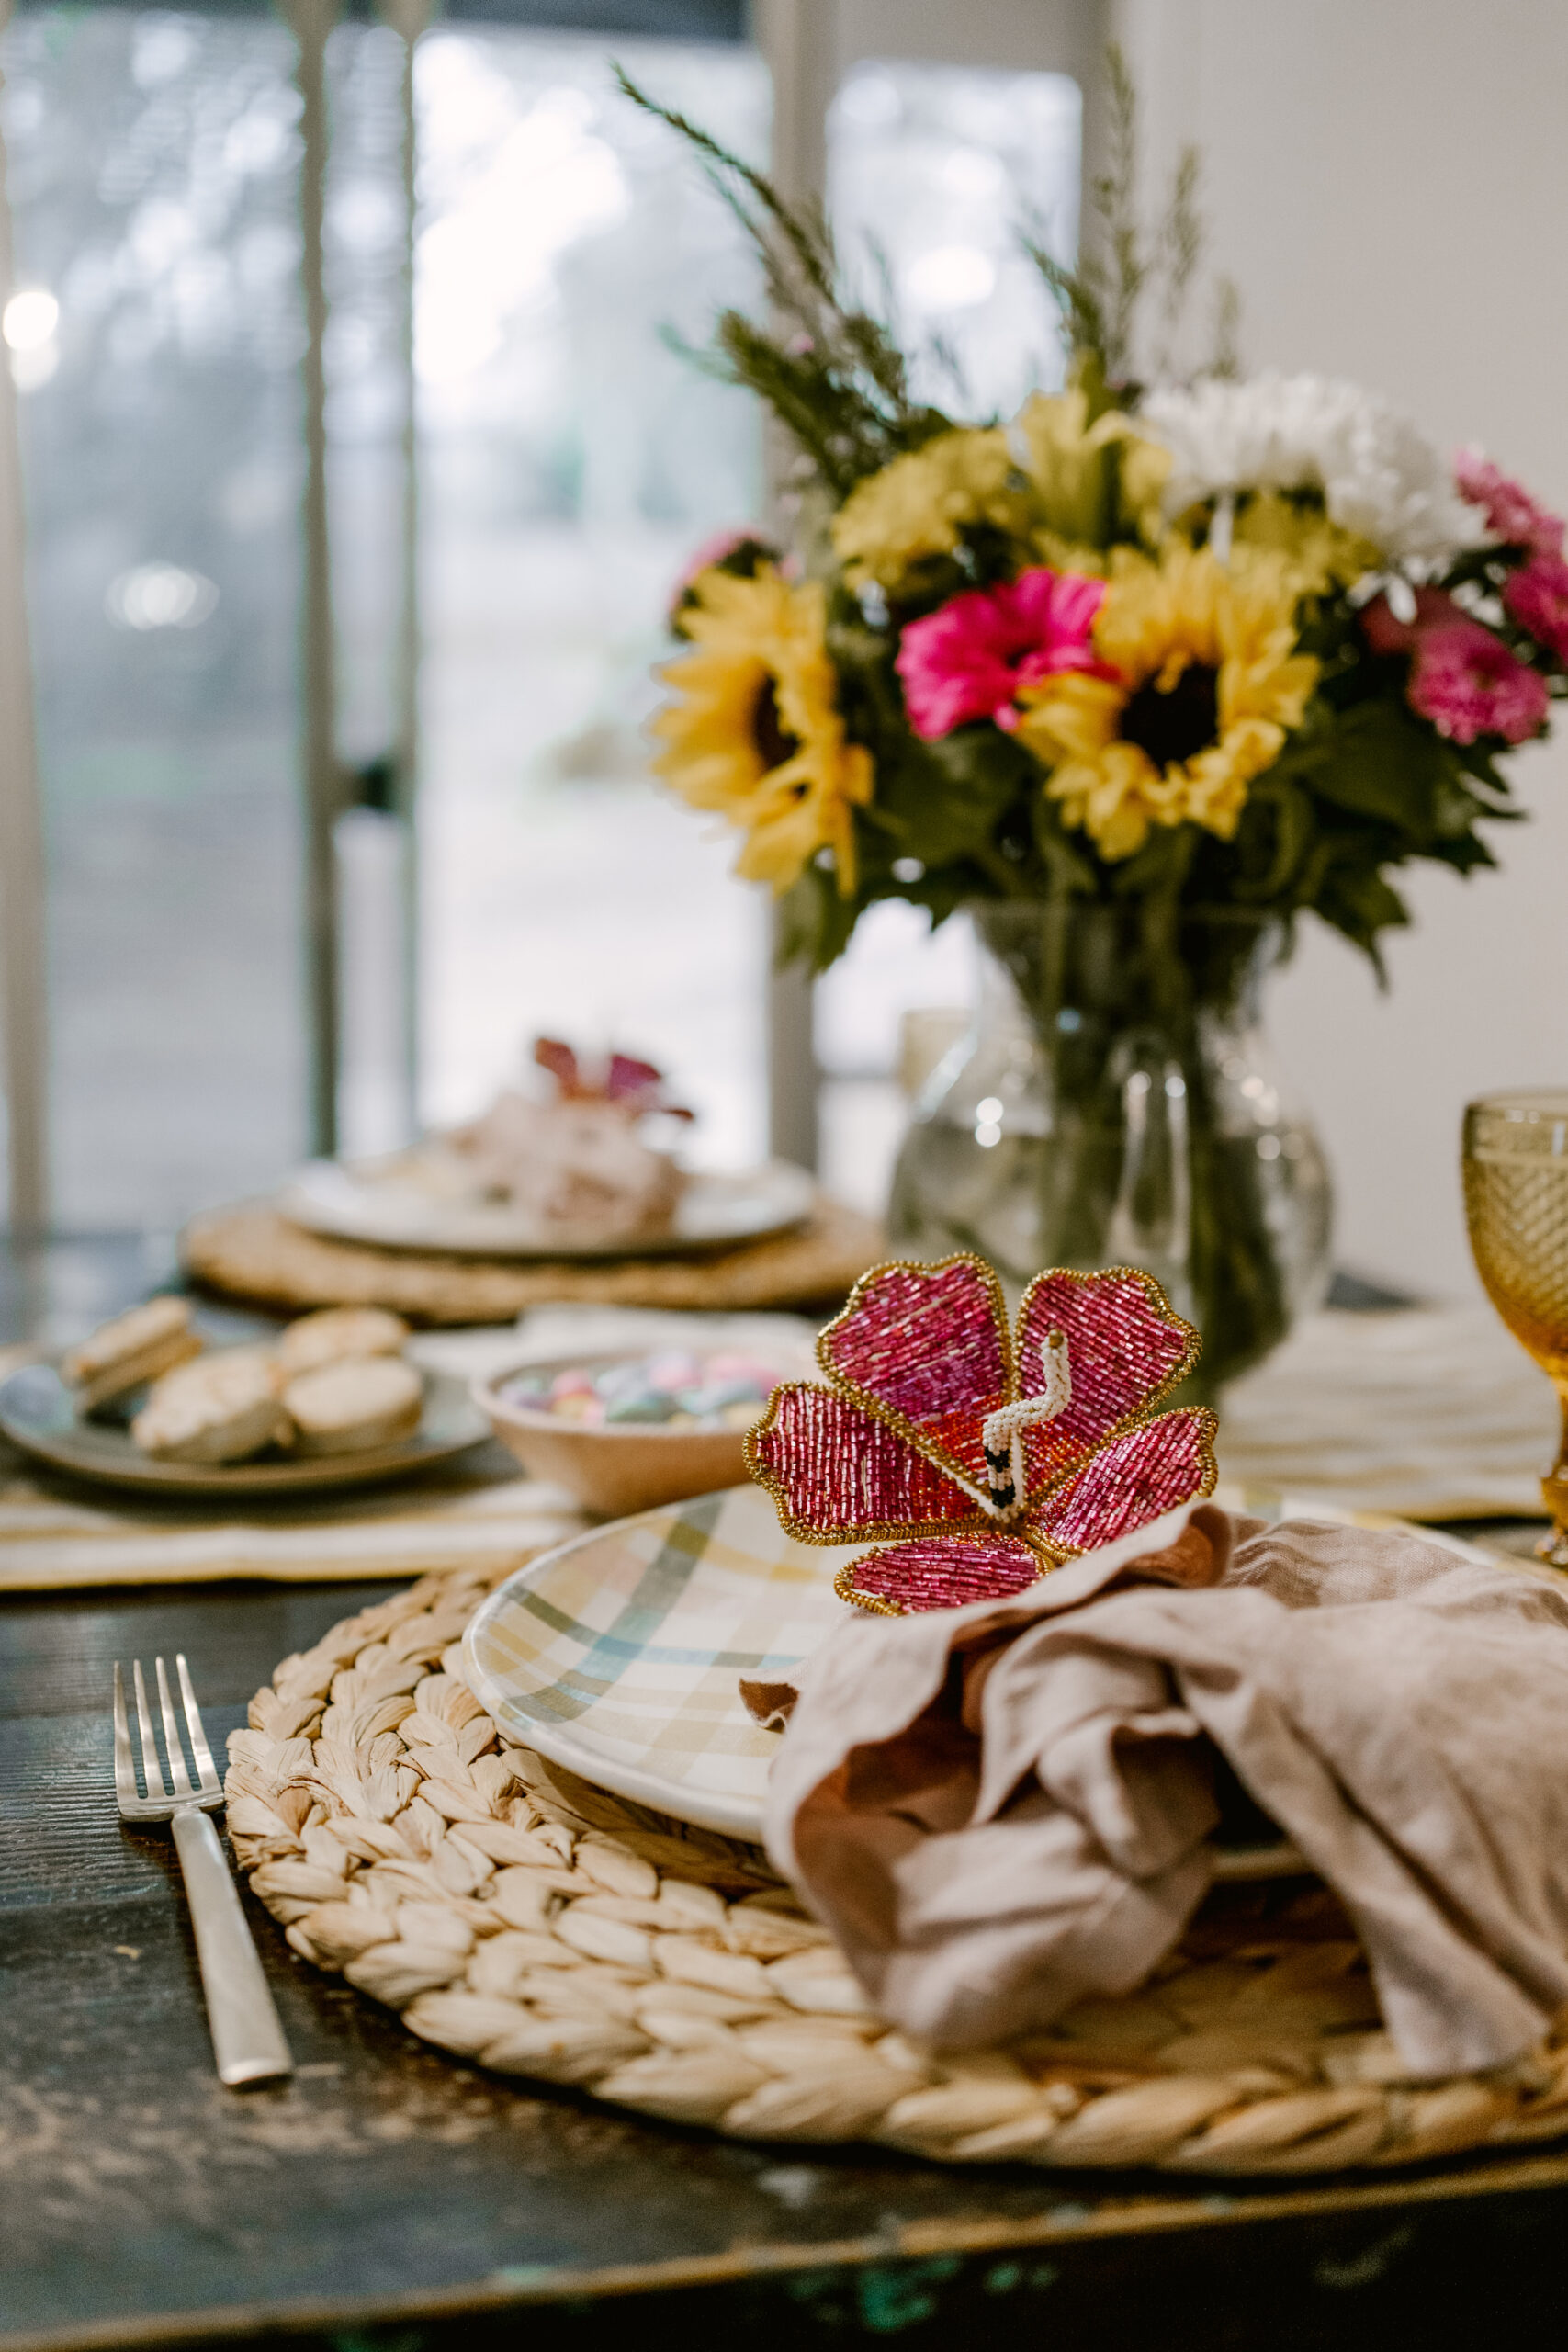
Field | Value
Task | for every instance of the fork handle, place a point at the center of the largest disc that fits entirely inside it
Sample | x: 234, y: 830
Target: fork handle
x: 247, y: 2038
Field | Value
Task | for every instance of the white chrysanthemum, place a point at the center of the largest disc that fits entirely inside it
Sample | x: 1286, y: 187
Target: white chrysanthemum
x: 1378, y: 477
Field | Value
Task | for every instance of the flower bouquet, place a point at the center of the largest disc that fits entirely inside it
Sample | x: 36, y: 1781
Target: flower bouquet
x: 1138, y: 677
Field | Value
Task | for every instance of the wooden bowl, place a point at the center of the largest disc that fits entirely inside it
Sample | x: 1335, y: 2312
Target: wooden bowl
x: 623, y: 1467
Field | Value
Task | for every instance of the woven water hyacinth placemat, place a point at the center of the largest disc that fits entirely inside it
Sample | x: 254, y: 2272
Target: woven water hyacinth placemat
x: 518, y: 1918
x: 250, y: 1252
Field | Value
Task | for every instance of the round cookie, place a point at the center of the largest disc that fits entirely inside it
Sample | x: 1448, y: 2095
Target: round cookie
x: 337, y: 1333
x: 350, y: 1407
x: 222, y: 1408
x: 149, y: 1341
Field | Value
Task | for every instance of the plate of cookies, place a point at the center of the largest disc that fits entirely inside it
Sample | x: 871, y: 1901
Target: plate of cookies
x: 331, y: 1401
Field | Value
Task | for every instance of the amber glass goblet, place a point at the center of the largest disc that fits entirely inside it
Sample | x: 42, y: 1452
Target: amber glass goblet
x: 1516, y: 1202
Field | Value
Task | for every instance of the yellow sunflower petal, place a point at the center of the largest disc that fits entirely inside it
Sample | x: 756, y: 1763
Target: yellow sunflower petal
x: 1279, y: 690
x: 751, y: 639
x: 1109, y: 797
x: 1071, y: 716
x: 1157, y: 617
x: 784, y: 828
x: 1217, y: 779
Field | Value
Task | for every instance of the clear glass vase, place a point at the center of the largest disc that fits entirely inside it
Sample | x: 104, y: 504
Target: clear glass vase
x: 1114, y: 1104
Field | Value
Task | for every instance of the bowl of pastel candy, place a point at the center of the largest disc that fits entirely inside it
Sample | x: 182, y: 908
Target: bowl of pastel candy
x: 626, y: 1432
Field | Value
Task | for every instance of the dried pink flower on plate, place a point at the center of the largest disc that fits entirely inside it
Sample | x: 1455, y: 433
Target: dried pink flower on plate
x: 981, y: 1459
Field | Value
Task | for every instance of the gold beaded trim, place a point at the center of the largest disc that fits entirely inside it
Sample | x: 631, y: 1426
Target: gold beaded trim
x: 984, y: 1523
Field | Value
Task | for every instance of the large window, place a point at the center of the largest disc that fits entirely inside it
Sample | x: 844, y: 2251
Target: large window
x: 155, y: 339
x: 570, y: 460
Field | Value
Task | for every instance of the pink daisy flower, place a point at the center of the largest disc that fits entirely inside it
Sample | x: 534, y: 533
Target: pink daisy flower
x: 1537, y: 596
x: 1520, y: 520
x: 967, y: 660
x: 1467, y: 683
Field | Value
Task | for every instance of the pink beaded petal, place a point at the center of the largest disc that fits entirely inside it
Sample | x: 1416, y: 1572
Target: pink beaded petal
x: 1130, y: 1481
x: 931, y: 1344
x: 943, y: 1572
x: 1125, y: 1345
x: 837, y: 1472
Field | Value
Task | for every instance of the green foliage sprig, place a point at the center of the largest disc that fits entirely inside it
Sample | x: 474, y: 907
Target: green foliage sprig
x: 1100, y: 297
x: 832, y: 373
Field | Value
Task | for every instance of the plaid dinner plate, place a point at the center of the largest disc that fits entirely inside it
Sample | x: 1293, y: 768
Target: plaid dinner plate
x: 619, y: 1655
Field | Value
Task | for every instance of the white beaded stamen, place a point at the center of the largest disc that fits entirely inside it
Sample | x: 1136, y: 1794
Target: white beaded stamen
x: 1002, y: 1434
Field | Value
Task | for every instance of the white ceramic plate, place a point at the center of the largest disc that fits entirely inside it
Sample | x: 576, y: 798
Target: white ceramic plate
x: 412, y: 1201
x: 38, y: 1413
x: 619, y: 1654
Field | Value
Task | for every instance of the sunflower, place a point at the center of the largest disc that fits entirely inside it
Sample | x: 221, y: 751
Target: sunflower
x: 1208, y: 683
x: 919, y: 505
x: 754, y: 730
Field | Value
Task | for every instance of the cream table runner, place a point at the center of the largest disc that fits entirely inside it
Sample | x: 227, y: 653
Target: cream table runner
x: 49, y: 1544
x: 56, y: 1533
x: 1427, y: 1413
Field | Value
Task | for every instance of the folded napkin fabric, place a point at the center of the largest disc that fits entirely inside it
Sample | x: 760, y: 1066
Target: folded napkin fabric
x: 1003, y: 1808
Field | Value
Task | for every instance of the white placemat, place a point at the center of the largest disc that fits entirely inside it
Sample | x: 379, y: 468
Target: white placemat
x: 1426, y: 1412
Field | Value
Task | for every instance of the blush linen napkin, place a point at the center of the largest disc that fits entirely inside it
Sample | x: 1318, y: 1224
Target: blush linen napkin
x: 1002, y: 1808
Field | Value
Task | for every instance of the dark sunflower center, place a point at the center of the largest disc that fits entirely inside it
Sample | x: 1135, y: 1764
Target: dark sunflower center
x: 1171, y: 727
x: 774, y: 742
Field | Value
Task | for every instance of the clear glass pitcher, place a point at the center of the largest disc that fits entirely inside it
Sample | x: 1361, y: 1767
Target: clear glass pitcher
x: 1113, y: 1102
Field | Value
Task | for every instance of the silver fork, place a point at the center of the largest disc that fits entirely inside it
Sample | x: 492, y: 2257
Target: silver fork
x: 247, y: 2038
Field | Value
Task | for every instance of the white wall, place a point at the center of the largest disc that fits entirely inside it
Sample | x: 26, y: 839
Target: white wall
x: 1387, y: 180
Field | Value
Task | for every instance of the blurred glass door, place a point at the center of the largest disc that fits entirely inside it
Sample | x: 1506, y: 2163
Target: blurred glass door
x: 154, y: 338
x: 571, y: 461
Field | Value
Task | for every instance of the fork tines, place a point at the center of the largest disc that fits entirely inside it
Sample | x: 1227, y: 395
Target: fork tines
x: 165, y: 1793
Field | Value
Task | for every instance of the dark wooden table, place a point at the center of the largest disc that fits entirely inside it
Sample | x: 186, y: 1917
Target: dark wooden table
x: 388, y: 2199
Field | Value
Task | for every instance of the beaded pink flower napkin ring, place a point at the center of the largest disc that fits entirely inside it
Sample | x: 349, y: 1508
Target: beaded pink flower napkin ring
x: 979, y: 1459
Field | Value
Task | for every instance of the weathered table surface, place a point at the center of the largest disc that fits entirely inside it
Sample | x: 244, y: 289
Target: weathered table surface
x: 386, y: 2197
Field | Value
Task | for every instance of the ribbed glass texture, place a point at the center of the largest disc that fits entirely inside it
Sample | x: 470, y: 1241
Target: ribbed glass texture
x: 1516, y: 1194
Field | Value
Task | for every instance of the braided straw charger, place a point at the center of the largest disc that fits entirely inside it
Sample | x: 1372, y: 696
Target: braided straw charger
x: 253, y: 1253
x: 514, y: 1915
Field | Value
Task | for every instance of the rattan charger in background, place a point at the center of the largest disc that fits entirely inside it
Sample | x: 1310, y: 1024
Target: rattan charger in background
x: 251, y: 1251
x: 514, y: 1915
